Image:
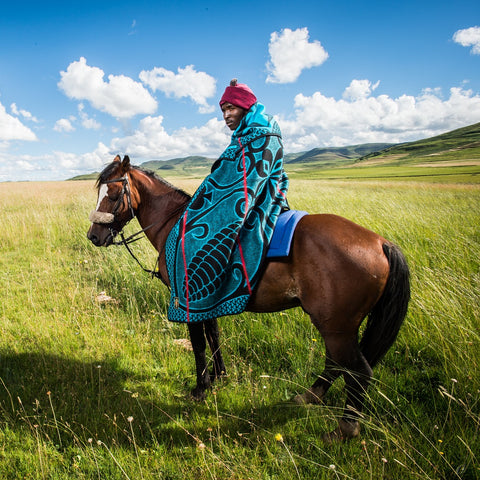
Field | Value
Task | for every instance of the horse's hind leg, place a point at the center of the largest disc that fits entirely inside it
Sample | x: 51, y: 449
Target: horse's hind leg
x: 318, y: 390
x: 343, y: 357
x: 346, y: 354
x: 212, y: 333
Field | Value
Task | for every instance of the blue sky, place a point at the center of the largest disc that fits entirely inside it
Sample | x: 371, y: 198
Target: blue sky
x: 81, y: 81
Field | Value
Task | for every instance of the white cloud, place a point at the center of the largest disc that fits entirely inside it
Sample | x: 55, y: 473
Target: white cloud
x: 63, y: 125
x: 73, y: 164
x: 53, y: 166
x: 290, y: 53
x: 133, y: 31
x: 24, y: 113
x: 120, y: 97
x: 359, y: 89
x: 151, y: 140
x: 11, y: 128
x: 87, y: 122
x: 90, y: 123
x: 326, y: 121
x: 198, y: 86
x: 67, y: 124
x: 469, y: 37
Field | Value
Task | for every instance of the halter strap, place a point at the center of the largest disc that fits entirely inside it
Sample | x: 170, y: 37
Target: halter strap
x: 106, y: 218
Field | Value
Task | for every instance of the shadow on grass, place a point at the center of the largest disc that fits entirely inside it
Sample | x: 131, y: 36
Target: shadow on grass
x: 71, y: 402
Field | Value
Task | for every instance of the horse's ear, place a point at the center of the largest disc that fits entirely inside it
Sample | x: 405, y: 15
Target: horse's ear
x: 117, y: 158
x: 126, y: 162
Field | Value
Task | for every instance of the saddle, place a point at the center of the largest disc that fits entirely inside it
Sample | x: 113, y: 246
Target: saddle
x: 283, y: 233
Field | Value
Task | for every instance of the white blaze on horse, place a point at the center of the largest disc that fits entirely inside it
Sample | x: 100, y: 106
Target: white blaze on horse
x: 339, y: 273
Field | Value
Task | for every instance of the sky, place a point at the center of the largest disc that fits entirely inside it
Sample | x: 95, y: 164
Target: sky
x: 83, y: 81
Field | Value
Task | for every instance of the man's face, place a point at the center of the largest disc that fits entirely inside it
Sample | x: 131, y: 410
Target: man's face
x: 232, y: 115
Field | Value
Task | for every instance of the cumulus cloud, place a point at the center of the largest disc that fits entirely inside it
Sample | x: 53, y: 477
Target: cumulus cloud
x: 52, y: 166
x: 198, y: 86
x: 469, y: 37
x: 64, y: 125
x: 362, y: 118
x: 151, y: 141
x: 359, y: 89
x: 67, y: 124
x: 73, y: 164
x: 290, y: 53
x: 11, y: 128
x: 87, y: 122
x: 24, y: 113
x: 120, y: 96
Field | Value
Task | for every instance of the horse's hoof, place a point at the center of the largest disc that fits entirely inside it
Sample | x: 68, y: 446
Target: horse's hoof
x: 309, y: 397
x: 345, y: 431
x: 198, y: 394
x: 300, y: 399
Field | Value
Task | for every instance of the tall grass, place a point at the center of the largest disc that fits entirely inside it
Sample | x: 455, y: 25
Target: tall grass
x: 92, y: 389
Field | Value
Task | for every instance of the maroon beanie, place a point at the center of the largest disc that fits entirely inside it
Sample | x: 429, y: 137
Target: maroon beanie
x: 238, y: 94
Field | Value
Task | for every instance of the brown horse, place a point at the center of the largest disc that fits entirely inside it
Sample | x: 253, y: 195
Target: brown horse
x: 337, y: 271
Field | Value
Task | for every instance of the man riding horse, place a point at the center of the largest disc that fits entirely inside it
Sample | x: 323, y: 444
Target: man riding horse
x: 215, y: 251
x: 211, y: 248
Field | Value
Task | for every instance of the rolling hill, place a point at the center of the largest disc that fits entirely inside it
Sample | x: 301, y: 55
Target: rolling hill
x: 462, y: 144
x: 455, y: 153
x: 336, y: 155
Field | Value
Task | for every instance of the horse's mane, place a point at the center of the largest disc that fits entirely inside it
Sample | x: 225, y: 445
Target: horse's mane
x: 153, y: 175
x: 110, y: 169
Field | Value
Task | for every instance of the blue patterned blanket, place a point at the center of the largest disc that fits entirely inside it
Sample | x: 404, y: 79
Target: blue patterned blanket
x: 215, y: 251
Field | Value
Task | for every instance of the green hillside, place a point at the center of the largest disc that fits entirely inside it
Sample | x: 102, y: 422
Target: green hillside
x: 452, y: 157
x: 187, y: 166
x: 457, y: 145
x: 336, y: 155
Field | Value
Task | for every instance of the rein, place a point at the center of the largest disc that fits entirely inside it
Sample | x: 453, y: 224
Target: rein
x: 136, y: 236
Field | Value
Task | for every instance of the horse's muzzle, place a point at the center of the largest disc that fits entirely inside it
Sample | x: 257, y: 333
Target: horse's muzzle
x: 100, y: 236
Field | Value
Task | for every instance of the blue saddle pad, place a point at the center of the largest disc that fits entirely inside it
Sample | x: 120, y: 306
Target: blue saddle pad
x: 283, y: 233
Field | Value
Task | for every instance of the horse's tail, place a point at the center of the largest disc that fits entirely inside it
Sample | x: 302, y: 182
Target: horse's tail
x: 387, y: 316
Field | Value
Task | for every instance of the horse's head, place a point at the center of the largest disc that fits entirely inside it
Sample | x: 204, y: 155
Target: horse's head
x: 115, y: 206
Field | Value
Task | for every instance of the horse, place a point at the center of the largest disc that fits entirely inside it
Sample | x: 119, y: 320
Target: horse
x: 338, y: 272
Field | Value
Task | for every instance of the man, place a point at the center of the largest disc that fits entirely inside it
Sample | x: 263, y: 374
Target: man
x: 215, y: 251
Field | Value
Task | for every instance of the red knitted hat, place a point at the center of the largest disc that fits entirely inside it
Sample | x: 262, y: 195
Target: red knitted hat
x: 238, y: 94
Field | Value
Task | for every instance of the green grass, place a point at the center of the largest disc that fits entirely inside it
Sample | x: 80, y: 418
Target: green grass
x: 438, y: 173
x: 94, y: 390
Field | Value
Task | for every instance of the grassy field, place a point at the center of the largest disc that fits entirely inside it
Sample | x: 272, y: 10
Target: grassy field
x: 93, y: 389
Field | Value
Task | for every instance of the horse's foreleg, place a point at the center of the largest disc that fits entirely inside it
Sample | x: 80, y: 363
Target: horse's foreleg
x: 197, y: 337
x: 213, y: 337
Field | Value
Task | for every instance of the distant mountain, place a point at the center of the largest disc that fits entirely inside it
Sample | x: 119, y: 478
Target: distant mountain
x: 337, y: 155
x: 326, y: 156
x: 456, y: 145
x: 185, y: 163
x: 461, y: 145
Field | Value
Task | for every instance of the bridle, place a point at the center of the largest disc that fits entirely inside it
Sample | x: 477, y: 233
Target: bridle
x: 105, y: 218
